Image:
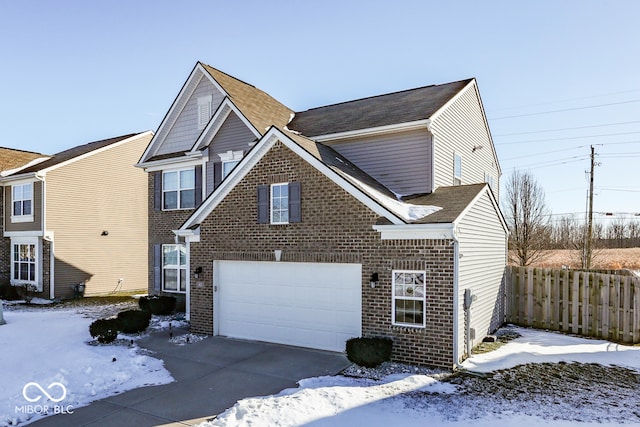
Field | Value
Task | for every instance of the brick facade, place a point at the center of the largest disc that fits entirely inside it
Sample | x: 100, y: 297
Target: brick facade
x: 335, y: 227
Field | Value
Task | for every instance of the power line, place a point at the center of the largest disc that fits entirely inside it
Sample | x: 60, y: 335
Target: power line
x: 565, y: 109
x: 563, y: 129
x: 568, y: 138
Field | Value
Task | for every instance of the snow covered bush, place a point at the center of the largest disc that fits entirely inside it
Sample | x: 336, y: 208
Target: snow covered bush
x: 133, y: 321
x: 104, y: 330
x: 369, y: 352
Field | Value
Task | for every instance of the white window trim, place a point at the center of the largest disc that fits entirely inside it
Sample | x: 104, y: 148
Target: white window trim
x: 177, y: 171
x: 394, y: 297
x: 23, y: 218
x: 204, y: 110
x: 230, y: 157
x: 286, y: 184
x: 457, y: 178
x: 178, y: 268
x: 38, y: 255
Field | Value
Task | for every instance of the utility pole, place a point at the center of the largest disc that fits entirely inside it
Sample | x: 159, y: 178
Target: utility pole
x: 587, y: 260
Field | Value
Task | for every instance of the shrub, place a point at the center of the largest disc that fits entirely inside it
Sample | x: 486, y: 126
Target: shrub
x: 369, y: 352
x: 133, y: 321
x: 104, y: 330
x: 8, y: 292
x: 159, y: 305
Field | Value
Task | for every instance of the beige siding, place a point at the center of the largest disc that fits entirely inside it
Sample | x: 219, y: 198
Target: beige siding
x: 482, y: 241
x: 401, y: 161
x: 102, y: 192
x: 457, y: 130
x: 36, y: 225
x: 184, y: 132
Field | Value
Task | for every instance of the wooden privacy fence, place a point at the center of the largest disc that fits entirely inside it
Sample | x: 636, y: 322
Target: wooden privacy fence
x: 585, y: 303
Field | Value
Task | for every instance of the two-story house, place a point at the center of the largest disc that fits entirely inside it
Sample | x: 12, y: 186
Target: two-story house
x: 374, y: 217
x: 76, y: 222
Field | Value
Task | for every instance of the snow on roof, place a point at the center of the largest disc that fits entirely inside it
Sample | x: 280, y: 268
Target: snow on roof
x: 406, y: 211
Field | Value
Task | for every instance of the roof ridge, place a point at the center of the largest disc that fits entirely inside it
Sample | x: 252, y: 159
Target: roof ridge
x: 24, y: 151
x: 385, y: 94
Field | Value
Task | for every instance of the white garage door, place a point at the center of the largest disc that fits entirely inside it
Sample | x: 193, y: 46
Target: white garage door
x: 304, y: 304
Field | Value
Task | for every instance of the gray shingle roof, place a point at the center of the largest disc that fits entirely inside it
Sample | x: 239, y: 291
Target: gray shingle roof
x: 74, y: 152
x: 383, y: 110
x: 453, y: 201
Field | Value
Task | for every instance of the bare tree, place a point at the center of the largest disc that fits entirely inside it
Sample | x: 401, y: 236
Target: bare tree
x: 527, y: 217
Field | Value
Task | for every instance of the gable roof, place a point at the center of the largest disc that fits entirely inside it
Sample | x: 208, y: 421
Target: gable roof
x: 12, y: 159
x: 262, y: 110
x: 75, y: 152
x: 453, y: 200
x: 377, y: 111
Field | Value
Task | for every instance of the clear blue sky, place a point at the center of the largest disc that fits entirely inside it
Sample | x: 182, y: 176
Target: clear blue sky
x: 78, y: 71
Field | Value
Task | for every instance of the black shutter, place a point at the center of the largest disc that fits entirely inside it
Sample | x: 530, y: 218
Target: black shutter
x: 263, y: 204
x: 295, y: 211
x: 157, y: 267
x: 157, y: 190
x: 198, y: 176
x: 217, y: 174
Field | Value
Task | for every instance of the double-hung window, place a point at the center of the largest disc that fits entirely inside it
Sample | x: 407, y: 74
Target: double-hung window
x: 408, y: 307
x: 174, y: 268
x: 22, y: 202
x: 24, y: 262
x: 179, y: 189
x: 280, y: 203
x: 229, y: 161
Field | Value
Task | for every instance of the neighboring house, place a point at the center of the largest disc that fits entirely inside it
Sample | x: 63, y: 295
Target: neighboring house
x: 365, y: 218
x: 78, y: 217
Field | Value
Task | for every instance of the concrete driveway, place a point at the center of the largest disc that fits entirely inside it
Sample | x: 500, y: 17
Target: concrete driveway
x: 211, y: 375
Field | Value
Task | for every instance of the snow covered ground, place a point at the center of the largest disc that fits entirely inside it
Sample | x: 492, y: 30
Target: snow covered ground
x: 45, y: 351
x: 538, y: 379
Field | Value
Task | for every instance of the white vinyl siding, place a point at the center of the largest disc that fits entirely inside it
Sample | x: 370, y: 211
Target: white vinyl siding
x: 459, y: 129
x: 185, y: 130
x: 400, y: 161
x: 482, y: 247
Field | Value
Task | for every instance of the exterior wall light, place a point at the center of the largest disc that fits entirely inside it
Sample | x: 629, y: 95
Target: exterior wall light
x: 374, y: 280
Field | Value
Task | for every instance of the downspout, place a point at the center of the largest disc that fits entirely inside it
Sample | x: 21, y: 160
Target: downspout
x: 456, y: 300
x: 45, y: 238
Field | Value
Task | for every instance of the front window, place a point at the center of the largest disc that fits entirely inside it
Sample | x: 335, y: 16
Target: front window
x: 409, y: 298
x: 174, y: 268
x: 22, y: 198
x: 24, y: 263
x: 227, y: 167
x: 179, y: 189
x: 280, y: 203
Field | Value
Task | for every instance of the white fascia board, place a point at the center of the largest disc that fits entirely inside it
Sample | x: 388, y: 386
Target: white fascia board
x: 373, y: 131
x: 189, y: 235
x: 17, y: 234
x: 486, y: 124
x: 416, y: 231
x: 453, y: 99
x: 97, y: 151
x: 24, y: 178
x: 172, y: 163
x: 486, y: 190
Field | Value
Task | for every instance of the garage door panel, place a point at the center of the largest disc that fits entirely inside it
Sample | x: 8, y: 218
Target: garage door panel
x: 304, y: 304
